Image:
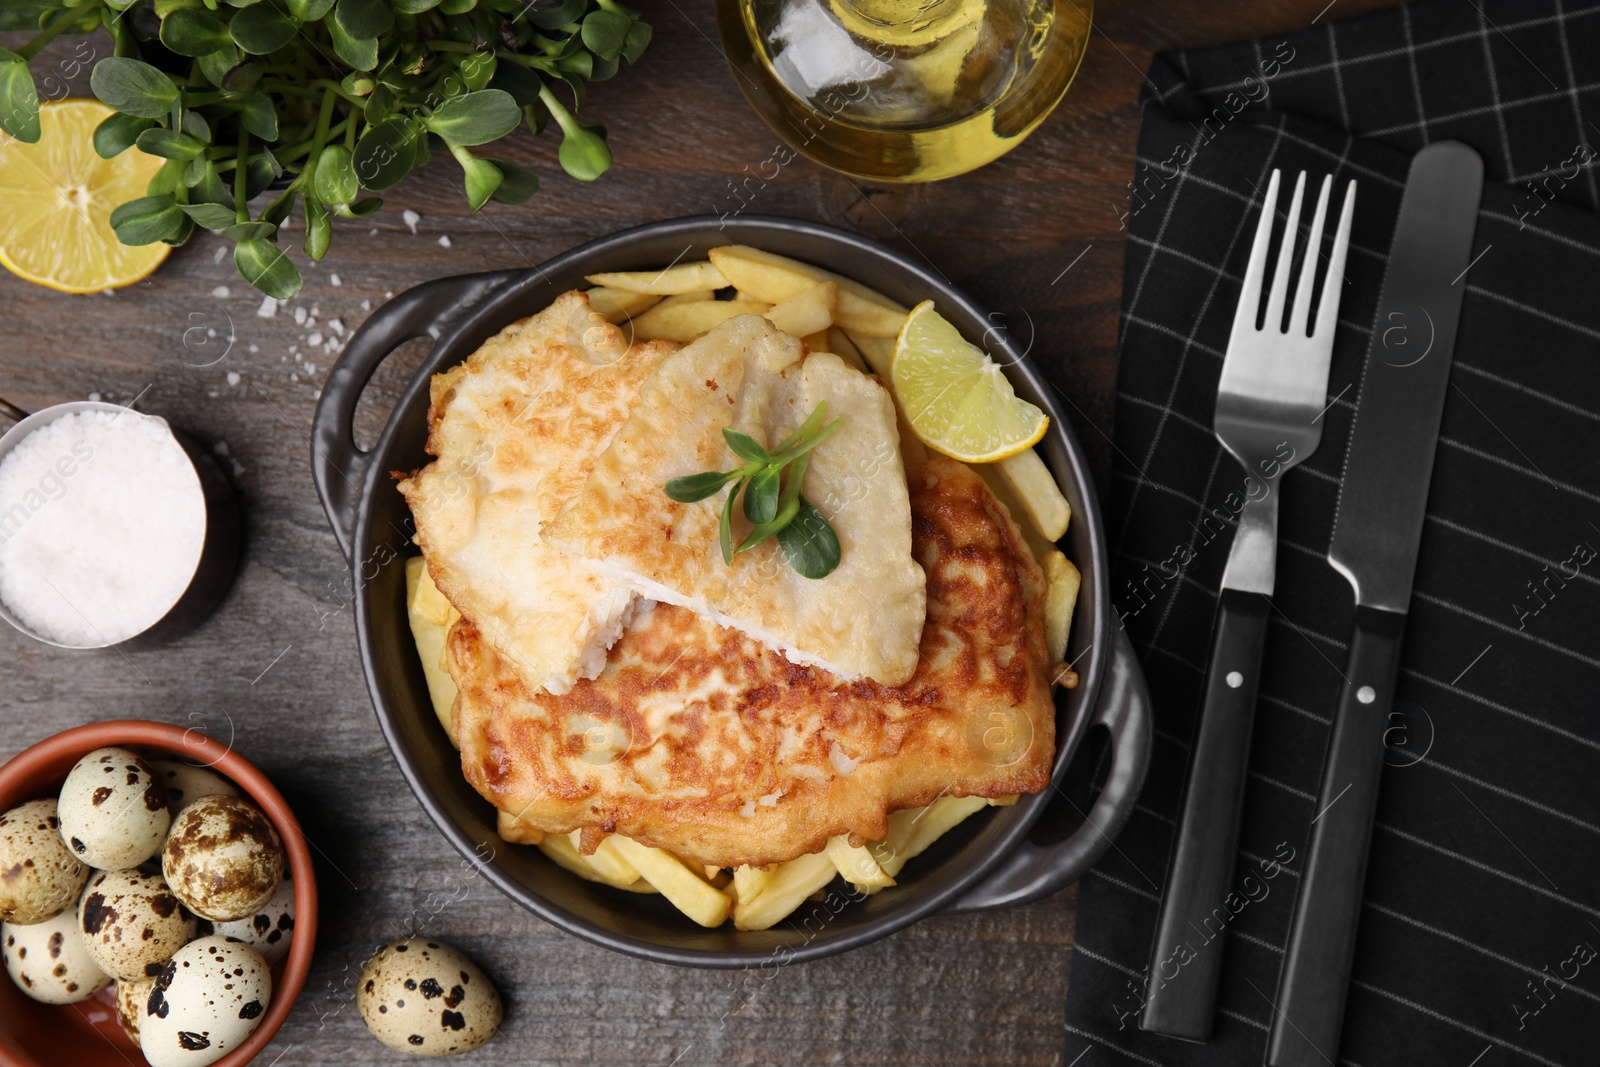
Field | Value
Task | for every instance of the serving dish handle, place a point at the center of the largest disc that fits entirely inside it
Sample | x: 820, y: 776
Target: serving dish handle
x: 432, y: 310
x: 1033, y: 871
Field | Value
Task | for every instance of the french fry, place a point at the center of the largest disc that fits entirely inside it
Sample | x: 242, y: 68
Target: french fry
x: 841, y: 346
x: 619, y: 305
x: 690, y: 298
x: 516, y: 831
x: 431, y: 616
x: 748, y: 883
x: 912, y: 830
x: 564, y: 853
x: 786, y: 889
x: 681, y: 278
x: 684, y: 322
x: 1004, y: 802
x: 857, y: 864
x: 817, y: 342
x: 772, y: 278
x: 719, y: 877
x: 1036, y: 488
x: 689, y: 892
x: 877, y: 351
x: 807, y: 311
x: 1061, y: 596
x: 607, y: 859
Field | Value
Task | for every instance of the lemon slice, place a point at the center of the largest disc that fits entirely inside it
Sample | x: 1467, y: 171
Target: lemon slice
x: 58, y: 196
x: 955, y: 397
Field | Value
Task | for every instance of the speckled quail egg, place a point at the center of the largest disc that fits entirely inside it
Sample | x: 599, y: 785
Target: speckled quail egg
x: 205, y: 1002
x: 131, y: 1000
x: 39, y: 877
x: 113, y: 810
x: 426, y: 998
x: 187, y: 783
x: 132, y: 923
x: 269, y: 931
x: 50, y: 962
x: 223, y: 858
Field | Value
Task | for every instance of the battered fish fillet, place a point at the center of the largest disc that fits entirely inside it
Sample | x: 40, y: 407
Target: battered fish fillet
x: 700, y: 740
x: 862, y: 620
x: 516, y: 429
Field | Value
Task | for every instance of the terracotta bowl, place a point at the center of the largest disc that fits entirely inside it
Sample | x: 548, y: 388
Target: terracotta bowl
x: 87, y: 1034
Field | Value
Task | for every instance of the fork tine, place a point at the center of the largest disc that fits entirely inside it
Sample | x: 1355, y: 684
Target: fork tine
x: 1298, y: 324
x: 1244, y: 316
x: 1280, y: 273
x: 1328, y: 311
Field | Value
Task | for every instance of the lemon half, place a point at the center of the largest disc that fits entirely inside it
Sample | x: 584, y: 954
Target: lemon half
x: 55, y: 228
x: 957, y: 399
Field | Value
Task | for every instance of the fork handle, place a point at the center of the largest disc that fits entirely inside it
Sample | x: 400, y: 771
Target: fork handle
x: 1186, y: 958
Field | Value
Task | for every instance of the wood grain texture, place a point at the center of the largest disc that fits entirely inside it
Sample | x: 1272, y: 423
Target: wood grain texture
x: 276, y: 669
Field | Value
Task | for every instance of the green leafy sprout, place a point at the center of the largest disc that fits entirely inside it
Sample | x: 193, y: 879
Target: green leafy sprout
x: 773, y: 503
x: 320, y: 100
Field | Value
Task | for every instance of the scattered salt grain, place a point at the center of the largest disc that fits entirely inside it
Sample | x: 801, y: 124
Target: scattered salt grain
x: 315, y: 339
x: 102, y: 520
x: 268, y: 308
x: 299, y: 316
x: 233, y: 377
x: 255, y: 348
x: 444, y: 240
x: 220, y: 292
x: 372, y: 232
x: 336, y: 325
x: 220, y: 448
x: 333, y: 279
x: 388, y: 294
x: 95, y: 397
x: 366, y: 305
x: 410, y: 218
x: 220, y: 254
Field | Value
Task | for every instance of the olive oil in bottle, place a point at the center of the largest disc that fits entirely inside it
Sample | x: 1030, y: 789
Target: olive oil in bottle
x: 904, y: 90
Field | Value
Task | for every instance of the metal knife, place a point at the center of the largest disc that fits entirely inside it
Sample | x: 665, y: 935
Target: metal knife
x: 1377, y: 531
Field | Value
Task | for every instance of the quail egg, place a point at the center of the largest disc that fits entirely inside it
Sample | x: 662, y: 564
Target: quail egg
x: 50, y: 962
x: 205, y: 1002
x: 39, y: 876
x: 270, y: 930
x: 426, y: 998
x: 187, y: 783
x: 223, y: 858
x: 131, y: 1000
x: 132, y: 923
x: 113, y: 810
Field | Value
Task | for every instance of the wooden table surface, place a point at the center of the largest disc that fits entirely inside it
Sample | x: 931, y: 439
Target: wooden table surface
x: 1035, y: 236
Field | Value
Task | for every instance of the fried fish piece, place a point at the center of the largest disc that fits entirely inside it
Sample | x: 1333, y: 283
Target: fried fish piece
x: 862, y: 620
x: 702, y: 741
x: 516, y: 429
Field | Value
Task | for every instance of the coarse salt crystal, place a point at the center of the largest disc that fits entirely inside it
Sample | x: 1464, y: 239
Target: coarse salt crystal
x: 268, y: 308
x: 299, y: 316
x: 444, y: 240
x: 315, y: 338
x: 220, y: 291
x: 410, y: 218
x: 333, y: 279
x: 233, y: 377
x: 102, y: 520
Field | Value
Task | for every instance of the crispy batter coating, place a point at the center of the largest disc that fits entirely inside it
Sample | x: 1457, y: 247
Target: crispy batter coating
x: 863, y: 620
x: 700, y: 740
x: 517, y: 428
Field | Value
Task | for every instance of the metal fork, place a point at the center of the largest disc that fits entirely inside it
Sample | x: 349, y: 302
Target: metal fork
x: 1270, y: 403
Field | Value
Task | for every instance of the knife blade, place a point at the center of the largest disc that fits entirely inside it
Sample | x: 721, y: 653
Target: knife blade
x: 1377, y: 533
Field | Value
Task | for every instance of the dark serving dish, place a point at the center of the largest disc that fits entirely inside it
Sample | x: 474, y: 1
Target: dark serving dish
x: 986, y: 862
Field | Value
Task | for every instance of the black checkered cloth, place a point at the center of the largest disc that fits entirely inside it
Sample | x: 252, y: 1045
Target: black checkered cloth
x: 1480, y: 936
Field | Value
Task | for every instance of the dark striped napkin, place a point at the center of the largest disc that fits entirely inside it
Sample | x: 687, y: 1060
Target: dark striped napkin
x: 1480, y: 936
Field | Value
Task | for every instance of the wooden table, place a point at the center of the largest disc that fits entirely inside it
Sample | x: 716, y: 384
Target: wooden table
x: 1035, y: 236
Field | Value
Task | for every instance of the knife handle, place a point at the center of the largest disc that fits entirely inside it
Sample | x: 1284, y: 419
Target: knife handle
x: 1322, y: 937
x: 1194, y: 913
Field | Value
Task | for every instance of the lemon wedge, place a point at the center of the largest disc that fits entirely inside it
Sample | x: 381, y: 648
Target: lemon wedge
x: 956, y: 399
x: 59, y: 194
